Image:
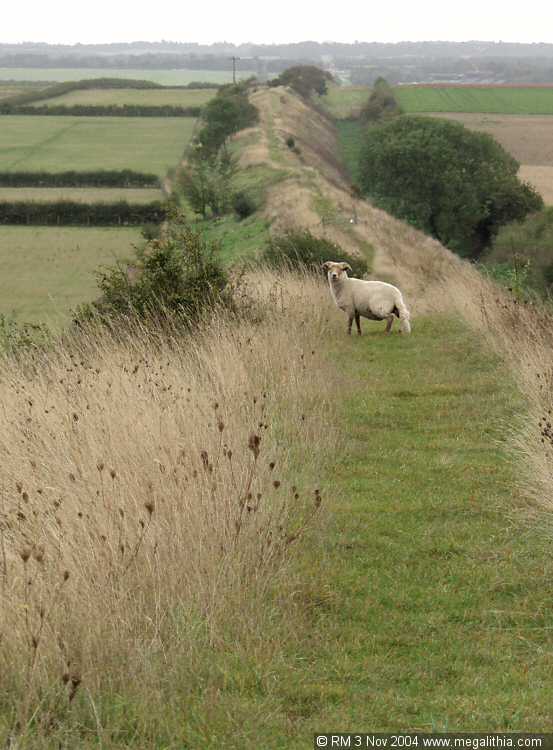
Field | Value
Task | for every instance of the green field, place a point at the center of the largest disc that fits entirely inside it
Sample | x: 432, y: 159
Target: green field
x: 47, y: 271
x: 55, y: 144
x: 81, y: 195
x: 165, y: 77
x: 498, y: 100
x: 150, y: 97
x: 345, y: 101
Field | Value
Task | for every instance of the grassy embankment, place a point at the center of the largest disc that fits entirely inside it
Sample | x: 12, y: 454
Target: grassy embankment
x: 420, y: 601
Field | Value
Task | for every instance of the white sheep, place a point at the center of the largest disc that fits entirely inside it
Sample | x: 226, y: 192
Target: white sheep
x: 375, y: 300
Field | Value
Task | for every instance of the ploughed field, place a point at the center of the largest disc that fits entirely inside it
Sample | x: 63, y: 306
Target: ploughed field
x: 56, y: 144
x: 528, y: 138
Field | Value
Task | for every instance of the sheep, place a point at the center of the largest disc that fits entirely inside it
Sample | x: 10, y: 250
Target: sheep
x: 375, y: 300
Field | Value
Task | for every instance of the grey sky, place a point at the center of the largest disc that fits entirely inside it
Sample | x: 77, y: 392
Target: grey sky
x: 69, y: 21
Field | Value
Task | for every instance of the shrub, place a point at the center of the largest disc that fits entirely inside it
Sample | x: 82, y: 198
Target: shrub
x: 178, y: 274
x: 457, y: 185
x: 304, y: 79
x: 382, y: 103
x: 301, y: 248
x: 527, y: 243
x: 206, y: 183
x: 16, y: 337
x: 290, y: 142
x: 243, y: 204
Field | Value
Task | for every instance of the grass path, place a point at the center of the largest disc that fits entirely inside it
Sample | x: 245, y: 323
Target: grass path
x: 435, y: 611
x: 427, y: 603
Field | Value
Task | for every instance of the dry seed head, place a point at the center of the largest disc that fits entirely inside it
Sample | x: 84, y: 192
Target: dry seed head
x: 25, y: 554
x: 150, y: 506
x: 253, y: 444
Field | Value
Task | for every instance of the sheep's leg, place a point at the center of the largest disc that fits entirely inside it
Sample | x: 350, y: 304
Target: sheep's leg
x: 358, y: 323
x: 389, y: 324
x: 350, y: 323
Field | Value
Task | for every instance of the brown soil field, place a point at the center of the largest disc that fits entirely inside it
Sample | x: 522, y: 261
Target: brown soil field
x: 529, y: 138
x: 541, y: 178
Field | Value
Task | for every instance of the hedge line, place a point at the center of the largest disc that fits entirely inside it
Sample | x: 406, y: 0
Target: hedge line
x: 102, y: 110
x: 60, y: 213
x: 100, y: 178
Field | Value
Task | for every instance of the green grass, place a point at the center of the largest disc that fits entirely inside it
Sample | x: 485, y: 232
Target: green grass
x: 165, y: 77
x: 47, y: 271
x: 350, y: 136
x: 119, y: 97
x: 55, y: 144
x: 426, y: 606
x: 439, y: 613
x: 239, y: 240
x: 345, y: 101
x: 81, y: 195
x: 500, y: 100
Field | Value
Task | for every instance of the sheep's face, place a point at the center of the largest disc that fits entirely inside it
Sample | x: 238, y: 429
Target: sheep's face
x: 336, y: 271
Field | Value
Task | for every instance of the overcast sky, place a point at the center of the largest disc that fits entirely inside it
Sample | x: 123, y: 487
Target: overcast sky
x: 71, y: 21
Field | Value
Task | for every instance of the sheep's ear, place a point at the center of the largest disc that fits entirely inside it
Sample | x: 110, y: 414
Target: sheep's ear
x: 325, y: 266
x: 346, y: 267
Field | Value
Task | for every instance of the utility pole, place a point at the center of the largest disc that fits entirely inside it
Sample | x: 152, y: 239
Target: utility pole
x: 234, y: 59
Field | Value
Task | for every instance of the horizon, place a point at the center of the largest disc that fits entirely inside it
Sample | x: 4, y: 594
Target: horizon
x: 58, y: 23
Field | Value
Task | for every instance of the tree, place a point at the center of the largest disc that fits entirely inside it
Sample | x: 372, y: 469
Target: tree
x: 382, y: 103
x: 305, y: 79
x: 457, y: 185
x: 207, y: 182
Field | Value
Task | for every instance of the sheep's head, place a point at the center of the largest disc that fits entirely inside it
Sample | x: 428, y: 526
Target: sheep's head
x: 336, y: 271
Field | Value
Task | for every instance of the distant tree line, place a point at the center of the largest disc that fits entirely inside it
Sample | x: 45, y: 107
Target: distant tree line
x: 102, y: 110
x: 82, y: 214
x: 100, y: 178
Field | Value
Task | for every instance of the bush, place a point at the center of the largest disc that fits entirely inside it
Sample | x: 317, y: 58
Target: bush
x: 206, y: 183
x: 304, y: 79
x: 527, y: 243
x: 301, y: 248
x: 17, y: 337
x: 177, y: 275
x: 382, y: 103
x: 457, y: 185
x: 243, y: 204
x: 290, y: 142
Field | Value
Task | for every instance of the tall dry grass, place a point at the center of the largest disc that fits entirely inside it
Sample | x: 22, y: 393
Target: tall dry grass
x: 154, y: 488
